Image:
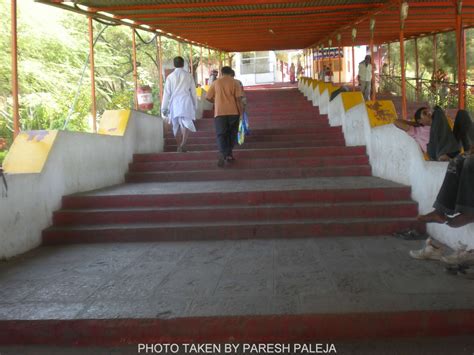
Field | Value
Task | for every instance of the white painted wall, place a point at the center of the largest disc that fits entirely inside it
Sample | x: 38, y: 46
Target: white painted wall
x: 324, y: 102
x: 336, y: 111
x: 396, y: 156
x: 77, y: 162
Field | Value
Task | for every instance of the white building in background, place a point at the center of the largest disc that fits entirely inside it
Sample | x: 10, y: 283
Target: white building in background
x: 254, y: 68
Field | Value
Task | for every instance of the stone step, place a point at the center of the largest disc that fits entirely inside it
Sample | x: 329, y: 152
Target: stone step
x: 225, y: 230
x: 289, y: 191
x: 210, y: 164
x: 262, y: 145
x: 261, y: 138
x: 249, y: 174
x: 237, y: 213
x: 276, y: 153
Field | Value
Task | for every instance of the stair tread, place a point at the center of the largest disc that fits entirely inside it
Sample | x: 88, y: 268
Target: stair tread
x: 230, y: 223
x: 333, y: 184
x: 242, y: 206
x: 228, y: 169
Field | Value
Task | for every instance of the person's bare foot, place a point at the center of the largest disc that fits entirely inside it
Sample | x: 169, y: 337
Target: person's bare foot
x: 461, y: 220
x: 433, y: 217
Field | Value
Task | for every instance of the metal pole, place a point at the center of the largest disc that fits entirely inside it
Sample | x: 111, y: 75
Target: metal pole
x: 353, y: 68
x: 202, y: 67
x: 388, y: 59
x: 460, y: 47
x: 209, y: 61
x: 191, y: 69
x: 14, y: 44
x: 372, y: 63
x: 435, y: 54
x: 340, y: 65
x: 379, y: 51
x: 160, y: 68
x: 92, y: 69
x: 135, y: 73
x: 417, y: 69
x: 402, y: 69
x: 220, y: 62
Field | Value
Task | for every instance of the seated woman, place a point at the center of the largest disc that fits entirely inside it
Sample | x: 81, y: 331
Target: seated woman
x: 432, y: 132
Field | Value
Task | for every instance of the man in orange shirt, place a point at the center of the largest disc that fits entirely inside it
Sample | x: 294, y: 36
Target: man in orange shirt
x: 226, y: 94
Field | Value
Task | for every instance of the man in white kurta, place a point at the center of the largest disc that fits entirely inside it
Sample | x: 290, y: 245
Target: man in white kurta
x: 180, y: 102
x: 365, y: 77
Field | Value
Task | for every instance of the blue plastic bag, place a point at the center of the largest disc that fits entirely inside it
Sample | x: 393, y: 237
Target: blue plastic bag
x: 243, y: 129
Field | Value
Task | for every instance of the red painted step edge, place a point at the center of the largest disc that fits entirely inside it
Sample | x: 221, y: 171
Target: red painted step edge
x: 258, y: 329
x: 249, y: 198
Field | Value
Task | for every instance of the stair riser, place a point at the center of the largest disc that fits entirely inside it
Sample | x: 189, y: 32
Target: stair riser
x: 257, y: 145
x: 237, y: 198
x: 230, y: 174
x: 229, y: 232
x: 63, y: 218
x: 327, y: 151
x: 277, y: 138
x: 250, y: 164
x: 267, y: 132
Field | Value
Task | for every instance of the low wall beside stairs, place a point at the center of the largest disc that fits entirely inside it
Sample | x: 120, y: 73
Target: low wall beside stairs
x: 397, y: 157
x: 73, y: 162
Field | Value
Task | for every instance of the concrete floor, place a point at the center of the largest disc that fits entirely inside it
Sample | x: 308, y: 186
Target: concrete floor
x: 247, y: 277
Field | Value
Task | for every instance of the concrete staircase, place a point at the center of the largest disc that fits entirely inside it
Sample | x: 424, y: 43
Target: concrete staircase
x: 291, y: 243
x: 289, y: 140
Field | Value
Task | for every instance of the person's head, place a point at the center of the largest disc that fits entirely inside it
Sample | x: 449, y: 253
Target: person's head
x: 178, y: 62
x: 233, y: 73
x: 423, y: 116
x: 227, y: 71
x: 367, y: 59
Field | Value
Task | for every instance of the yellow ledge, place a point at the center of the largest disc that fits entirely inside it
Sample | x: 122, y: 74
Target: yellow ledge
x: 29, y: 152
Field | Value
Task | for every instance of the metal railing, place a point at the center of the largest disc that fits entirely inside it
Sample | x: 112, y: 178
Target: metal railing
x: 434, y: 92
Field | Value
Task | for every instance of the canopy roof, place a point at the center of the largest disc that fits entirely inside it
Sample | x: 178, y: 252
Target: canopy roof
x: 250, y: 25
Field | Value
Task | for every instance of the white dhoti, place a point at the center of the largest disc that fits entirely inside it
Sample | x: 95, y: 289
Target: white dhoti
x: 180, y: 123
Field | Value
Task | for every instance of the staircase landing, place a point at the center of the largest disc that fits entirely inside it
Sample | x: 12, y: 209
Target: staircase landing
x: 331, y: 288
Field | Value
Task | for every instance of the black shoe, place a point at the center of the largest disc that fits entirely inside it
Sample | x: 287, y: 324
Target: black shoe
x: 229, y: 159
x: 221, y: 162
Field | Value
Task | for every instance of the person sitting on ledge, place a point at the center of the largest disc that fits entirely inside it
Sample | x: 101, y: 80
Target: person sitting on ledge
x: 432, y: 132
x: 454, y: 204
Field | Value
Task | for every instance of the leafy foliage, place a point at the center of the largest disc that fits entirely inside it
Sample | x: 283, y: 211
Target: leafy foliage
x: 53, y: 50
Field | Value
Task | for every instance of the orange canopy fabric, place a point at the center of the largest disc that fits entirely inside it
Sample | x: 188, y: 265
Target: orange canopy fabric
x: 252, y: 25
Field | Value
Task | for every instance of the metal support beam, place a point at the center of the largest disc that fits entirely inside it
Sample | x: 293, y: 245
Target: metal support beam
x: 202, y: 67
x: 191, y: 69
x: 372, y: 62
x: 14, y: 48
x: 435, y: 55
x: 353, y: 68
x: 160, y: 67
x: 417, y: 71
x: 92, y: 69
x: 209, y: 62
x: 402, y: 64
x: 379, y: 52
x: 460, y: 55
x: 388, y: 59
x: 135, y: 72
